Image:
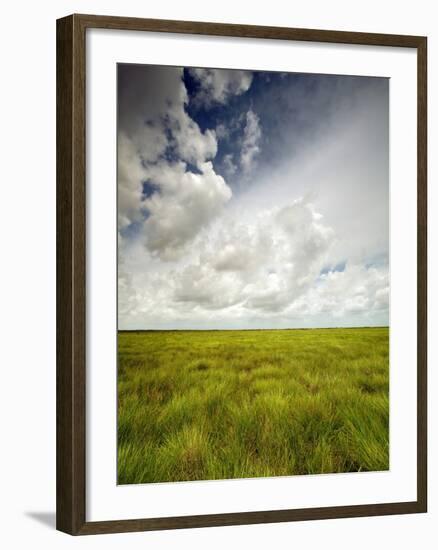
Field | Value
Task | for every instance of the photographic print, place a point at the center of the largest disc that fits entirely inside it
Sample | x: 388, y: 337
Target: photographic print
x: 253, y: 274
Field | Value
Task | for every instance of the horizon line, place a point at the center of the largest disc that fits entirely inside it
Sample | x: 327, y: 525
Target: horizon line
x: 242, y: 329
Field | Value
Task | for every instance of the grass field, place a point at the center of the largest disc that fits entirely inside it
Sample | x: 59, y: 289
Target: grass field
x: 233, y: 404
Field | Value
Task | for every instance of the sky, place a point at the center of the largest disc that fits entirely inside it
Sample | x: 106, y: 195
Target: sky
x: 251, y: 199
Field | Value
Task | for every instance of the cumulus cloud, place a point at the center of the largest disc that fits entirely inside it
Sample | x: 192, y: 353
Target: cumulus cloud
x: 143, y: 103
x: 301, y: 243
x: 198, y: 285
x: 264, y: 271
x: 192, y: 145
x: 251, y: 141
x: 228, y: 164
x: 222, y: 131
x: 130, y: 173
x: 264, y: 264
x: 154, y: 127
x: 218, y: 85
x: 186, y: 202
x: 357, y: 290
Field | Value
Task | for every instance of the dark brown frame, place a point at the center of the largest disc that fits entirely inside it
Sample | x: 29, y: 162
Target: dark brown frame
x: 71, y: 266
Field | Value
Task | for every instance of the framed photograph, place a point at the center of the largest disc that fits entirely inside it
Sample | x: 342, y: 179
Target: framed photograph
x: 241, y: 274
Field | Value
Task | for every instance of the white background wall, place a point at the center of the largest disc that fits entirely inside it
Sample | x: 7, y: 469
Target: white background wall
x: 27, y: 274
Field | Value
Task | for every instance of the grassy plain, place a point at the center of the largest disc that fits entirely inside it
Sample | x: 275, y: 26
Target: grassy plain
x: 196, y: 405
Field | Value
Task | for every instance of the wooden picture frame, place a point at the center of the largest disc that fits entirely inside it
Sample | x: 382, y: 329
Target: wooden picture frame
x: 71, y: 274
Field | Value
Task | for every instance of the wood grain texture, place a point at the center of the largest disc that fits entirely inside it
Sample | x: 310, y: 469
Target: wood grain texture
x: 248, y: 31
x: 70, y: 387
x: 71, y: 270
x: 422, y: 274
x: 248, y: 518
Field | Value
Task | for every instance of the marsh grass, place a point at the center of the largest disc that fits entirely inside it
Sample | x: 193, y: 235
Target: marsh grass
x: 197, y: 405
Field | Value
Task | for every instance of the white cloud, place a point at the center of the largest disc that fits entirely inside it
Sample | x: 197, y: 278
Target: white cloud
x: 129, y: 178
x: 263, y: 257
x: 222, y: 131
x: 153, y: 119
x: 218, y: 85
x: 357, y: 290
x: 143, y: 105
x: 192, y: 145
x: 267, y: 270
x: 185, y: 203
x: 237, y: 268
x: 228, y: 164
x: 251, y: 139
x: 199, y: 286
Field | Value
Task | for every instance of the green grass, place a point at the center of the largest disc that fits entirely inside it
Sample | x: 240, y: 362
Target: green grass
x: 202, y: 405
